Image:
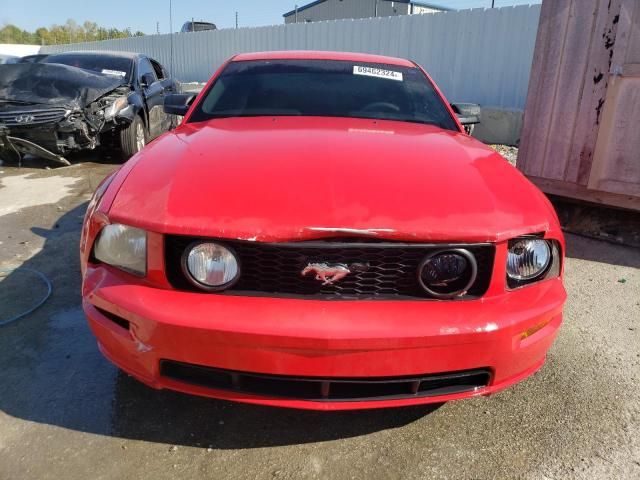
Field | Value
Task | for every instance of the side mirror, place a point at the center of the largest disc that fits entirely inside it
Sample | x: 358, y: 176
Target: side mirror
x: 178, y: 103
x: 468, y: 114
x: 147, y: 79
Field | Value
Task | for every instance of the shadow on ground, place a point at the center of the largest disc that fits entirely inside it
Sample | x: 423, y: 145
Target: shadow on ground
x: 169, y: 417
x: 601, y: 252
x: 100, y: 155
x: 621, y: 227
x: 58, y: 377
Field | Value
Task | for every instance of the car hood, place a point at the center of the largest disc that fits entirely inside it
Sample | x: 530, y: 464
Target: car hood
x: 295, y: 178
x: 54, y: 84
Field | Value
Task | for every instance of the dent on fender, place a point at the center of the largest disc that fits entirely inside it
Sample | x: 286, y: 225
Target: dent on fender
x: 141, y: 347
x: 126, y: 115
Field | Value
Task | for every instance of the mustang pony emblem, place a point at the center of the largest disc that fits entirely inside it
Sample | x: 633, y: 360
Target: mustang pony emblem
x: 327, y: 273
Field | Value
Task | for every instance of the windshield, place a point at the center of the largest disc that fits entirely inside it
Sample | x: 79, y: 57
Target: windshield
x: 328, y: 88
x: 103, y: 64
x: 198, y: 26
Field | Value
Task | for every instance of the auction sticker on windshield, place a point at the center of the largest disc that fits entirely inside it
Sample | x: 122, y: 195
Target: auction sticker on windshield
x: 115, y: 73
x: 377, y: 72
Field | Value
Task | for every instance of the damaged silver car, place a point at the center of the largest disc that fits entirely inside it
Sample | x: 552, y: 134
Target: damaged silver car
x: 82, y: 100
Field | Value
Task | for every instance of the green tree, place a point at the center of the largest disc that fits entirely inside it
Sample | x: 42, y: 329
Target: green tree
x: 42, y: 36
x: 70, y: 32
x: 12, y: 34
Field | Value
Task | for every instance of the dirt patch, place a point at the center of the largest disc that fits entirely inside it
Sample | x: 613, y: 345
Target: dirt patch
x: 22, y: 191
x: 509, y: 153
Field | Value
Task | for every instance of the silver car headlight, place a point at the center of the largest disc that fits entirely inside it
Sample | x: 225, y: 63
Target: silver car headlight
x: 123, y: 247
x: 210, y: 266
x: 120, y: 103
x: 530, y: 260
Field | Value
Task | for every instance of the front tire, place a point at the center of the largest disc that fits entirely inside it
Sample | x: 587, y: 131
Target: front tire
x: 133, y: 138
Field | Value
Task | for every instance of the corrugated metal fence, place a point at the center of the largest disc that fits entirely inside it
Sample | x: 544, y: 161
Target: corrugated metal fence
x: 481, y: 55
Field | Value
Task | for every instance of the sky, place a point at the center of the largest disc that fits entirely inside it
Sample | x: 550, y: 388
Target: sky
x: 150, y: 15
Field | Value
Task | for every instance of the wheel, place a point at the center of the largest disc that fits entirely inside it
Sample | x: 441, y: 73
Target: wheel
x: 133, y: 138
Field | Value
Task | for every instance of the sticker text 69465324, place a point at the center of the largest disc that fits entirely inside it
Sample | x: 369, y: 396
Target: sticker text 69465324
x: 377, y: 72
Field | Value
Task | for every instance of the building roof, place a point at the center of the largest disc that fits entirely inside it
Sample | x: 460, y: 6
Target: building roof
x: 435, y: 6
x: 322, y: 55
x: 419, y: 4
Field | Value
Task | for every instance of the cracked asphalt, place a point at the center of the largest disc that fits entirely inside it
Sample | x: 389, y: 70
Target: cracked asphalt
x: 65, y: 412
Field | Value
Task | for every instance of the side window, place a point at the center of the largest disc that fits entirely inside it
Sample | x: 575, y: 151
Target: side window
x: 145, y: 67
x: 158, y: 69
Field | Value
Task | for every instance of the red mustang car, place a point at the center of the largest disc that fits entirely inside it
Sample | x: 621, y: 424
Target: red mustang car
x: 321, y: 233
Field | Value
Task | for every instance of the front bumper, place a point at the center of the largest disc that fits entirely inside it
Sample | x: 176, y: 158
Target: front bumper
x: 316, y: 338
x: 52, y: 140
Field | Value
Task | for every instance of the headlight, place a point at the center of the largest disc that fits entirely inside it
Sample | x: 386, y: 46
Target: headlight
x: 210, y: 266
x: 528, y: 258
x: 123, y: 247
x: 112, y: 110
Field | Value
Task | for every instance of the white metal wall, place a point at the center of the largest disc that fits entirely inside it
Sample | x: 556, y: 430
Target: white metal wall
x: 18, y: 50
x: 481, y: 55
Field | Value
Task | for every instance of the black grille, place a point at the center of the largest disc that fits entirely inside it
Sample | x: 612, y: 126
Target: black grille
x: 327, y: 389
x: 29, y: 117
x: 275, y: 268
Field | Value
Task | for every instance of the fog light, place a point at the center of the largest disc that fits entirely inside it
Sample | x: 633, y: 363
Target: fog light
x: 210, y: 266
x: 448, y: 273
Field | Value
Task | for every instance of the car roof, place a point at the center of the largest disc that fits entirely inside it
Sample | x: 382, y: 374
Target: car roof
x: 198, y: 22
x: 322, y: 55
x: 128, y: 55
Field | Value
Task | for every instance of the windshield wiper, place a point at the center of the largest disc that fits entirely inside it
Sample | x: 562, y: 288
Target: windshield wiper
x: 255, y: 113
x: 296, y: 113
x: 421, y: 122
x: 391, y: 118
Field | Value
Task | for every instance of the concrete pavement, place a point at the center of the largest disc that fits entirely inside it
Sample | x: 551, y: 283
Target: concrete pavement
x: 65, y: 412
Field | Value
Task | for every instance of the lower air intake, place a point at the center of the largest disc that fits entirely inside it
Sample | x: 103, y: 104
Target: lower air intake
x: 326, y: 389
